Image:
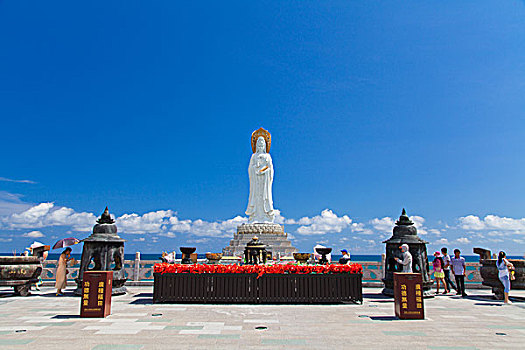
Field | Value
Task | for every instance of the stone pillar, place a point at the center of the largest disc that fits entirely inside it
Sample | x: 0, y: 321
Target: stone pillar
x: 136, y: 269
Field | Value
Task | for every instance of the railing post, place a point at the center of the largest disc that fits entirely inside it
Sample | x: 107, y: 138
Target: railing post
x: 382, y: 267
x: 136, y: 269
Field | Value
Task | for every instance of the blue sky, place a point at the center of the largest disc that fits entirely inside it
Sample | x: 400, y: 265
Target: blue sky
x: 372, y: 105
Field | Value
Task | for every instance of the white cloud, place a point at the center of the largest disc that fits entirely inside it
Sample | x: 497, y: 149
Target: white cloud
x: 471, y: 222
x: 33, y: 234
x: 492, y: 222
x: 199, y: 240
x: 385, y: 224
x: 152, y: 222
x: 442, y: 241
x: 168, y: 234
x: 419, y: 223
x: 216, y: 228
x: 5, y: 179
x: 45, y: 215
x: 5, y: 239
x: 327, y: 222
x: 463, y: 240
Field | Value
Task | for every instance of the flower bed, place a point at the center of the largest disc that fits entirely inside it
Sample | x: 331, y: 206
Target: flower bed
x: 289, y: 283
x: 258, y: 269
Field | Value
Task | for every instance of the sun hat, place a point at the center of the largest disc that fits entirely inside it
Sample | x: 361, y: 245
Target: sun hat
x: 344, y: 251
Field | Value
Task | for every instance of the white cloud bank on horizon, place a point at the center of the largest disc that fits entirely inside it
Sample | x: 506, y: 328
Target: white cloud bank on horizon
x: 470, y: 229
x: 167, y: 223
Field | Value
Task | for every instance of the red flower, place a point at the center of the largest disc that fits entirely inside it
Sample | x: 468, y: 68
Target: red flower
x: 257, y: 269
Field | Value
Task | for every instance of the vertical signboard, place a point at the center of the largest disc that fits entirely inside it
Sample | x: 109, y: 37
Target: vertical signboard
x: 408, y: 295
x: 96, y: 294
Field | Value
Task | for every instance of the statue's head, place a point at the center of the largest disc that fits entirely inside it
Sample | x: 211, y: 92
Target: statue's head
x: 261, y: 145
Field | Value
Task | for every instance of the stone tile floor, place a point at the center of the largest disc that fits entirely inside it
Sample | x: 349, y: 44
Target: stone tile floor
x: 43, y: 321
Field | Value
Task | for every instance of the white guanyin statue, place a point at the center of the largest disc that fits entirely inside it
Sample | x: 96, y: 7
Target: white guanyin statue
x: 260, y: 171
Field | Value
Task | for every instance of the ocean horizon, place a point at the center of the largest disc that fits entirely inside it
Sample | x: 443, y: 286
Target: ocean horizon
x: 335, y: 257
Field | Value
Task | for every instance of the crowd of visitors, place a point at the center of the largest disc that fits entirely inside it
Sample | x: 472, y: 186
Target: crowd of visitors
x: 443, y: 264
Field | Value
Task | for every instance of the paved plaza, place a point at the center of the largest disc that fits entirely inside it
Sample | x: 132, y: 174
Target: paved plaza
x: 43, y: 321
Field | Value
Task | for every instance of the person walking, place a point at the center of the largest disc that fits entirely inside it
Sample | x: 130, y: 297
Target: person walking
x: 459, y: 270
x: 407, y: 258
x: 503, y: 273
x: 446, y: 269
x: 439, y: 275
x: 61, y: 273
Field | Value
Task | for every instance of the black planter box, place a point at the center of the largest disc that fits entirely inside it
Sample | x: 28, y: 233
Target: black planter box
x: 247, y: 288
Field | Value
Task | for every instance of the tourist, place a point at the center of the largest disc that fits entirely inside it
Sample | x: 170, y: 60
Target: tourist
x: 42, y: 256
x: 345, y: 259
x: 439, y: 275
x: 446, y: 269
x: 407, y: 258
x: 459, y: 270
x: 503, y: 273
x: 61, y: 273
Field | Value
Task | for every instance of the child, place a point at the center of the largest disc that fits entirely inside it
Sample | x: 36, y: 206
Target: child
x: 458, y: 269
x: 439, y: 274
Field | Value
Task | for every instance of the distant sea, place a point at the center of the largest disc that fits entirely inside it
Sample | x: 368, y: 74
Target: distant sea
x: 356, y: 257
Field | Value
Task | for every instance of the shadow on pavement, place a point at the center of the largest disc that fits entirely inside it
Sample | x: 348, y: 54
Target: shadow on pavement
x: 143, y: 295
x: 142, y: 301
x: 384, y: 318
x: 377, y: 298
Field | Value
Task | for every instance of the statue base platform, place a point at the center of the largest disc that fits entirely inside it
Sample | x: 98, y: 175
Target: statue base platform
x: 271, y: 234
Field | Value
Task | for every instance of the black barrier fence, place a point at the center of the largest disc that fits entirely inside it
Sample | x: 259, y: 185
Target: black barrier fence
x: 247, y: 288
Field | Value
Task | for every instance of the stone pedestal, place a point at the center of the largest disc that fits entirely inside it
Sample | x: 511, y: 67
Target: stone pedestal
x: 272, y: 235
x: 406, y: 233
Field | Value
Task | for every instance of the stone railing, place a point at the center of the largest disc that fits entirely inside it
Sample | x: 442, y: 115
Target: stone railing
x: 142, y: 270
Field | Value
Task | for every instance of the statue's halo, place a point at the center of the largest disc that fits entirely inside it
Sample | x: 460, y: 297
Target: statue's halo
x: 267, y: 138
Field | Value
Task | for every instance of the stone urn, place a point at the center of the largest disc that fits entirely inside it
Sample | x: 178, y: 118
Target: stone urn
x: 186, y: 254
x: 213, y: 258
x: 255, y: 252
x: 489, y: 273
x: 19, y: 272
x: 302, y: 258
x: 323, y: 252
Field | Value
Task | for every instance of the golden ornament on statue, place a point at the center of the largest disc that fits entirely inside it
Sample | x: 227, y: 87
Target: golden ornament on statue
x: 267, y: 137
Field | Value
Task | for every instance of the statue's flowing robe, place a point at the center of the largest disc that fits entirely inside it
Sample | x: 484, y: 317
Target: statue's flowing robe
x: 260, y: 202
